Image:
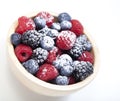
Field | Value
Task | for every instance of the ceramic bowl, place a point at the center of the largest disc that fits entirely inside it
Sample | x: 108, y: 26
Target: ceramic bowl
x: 39, y: 86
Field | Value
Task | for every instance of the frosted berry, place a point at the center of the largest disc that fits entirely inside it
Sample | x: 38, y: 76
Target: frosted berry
x: 31, y: 38
x: 31, y: 66
x: 23, y: 52
x: 47, y: 43
x: 47, y: 16
x: 66, y: 70
x: 16, y: 39
x: 53, y: 33
x: 47, y: 72
x: 66, y: 40
x: 24, y: 24
x: 64, y: 16
x: 56, y: 26
x: 62, y: 60
x: 40, y: 55
x: 87, y: 56
x: 82, y: 70
x: 53, y: 54
x: 65, y: 25
x: 62, y: 80
x: 39, y: 22
x: 77, y: 27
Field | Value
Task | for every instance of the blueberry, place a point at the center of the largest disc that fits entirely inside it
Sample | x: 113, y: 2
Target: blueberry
x: 31, y: 66
x: 53, y: 33
x: 39, y: 22
x: 62, y: 61
x: 16, y: 39
x: 64, y: 16
x: 62, y: 80
x: 65, y: 25
x: 44, y: 31
x: 47, y: 43
x: 66, y: 70
x: 56, y: 26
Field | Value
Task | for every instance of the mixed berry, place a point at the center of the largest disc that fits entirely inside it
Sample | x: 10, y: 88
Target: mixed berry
x: 53, y: 49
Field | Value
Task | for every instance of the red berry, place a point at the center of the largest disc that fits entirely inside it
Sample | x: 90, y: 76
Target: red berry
x: 87, y: 56
x: 47, y: 72
x: 23, y: 52
x: 77, y: 27
x: 66, y: 40
x: 24, y: 24
x: 47, y: 16
x: 52, y: 55
x: 71, y: 80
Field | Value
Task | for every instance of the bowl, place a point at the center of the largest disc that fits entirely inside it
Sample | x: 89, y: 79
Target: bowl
x: 39, y: 86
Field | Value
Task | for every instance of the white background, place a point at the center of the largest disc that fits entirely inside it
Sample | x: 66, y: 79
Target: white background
x: 100, y: 17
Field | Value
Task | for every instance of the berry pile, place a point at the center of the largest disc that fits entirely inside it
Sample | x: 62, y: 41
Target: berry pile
x: 53, y: 49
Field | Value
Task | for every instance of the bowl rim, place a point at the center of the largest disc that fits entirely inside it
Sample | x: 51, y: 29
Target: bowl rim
x: 38, y: 82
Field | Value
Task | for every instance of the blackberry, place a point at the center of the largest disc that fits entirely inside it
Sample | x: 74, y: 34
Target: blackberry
x: 82, y: 39
x: 16, y: 39
x: 76, y: 50
x: 31, y: 66
x: 82, y: 70
x: 40, y: 55
x: 62, y: 80
x: 64, y: 16
x: 31, y: 38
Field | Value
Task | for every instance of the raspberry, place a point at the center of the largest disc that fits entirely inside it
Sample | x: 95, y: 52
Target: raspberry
x: 52, y: 55
x: 71, y: 80
x: 24, y: 24
x: 31, y: 66
x: 77, y: 27
x: 47, y: 16
x: 47, y: 72
x: 86, y: 56
x: 66, y: 40
x: 40, y: 55
x: 23, y: 52
x: 82, y: 70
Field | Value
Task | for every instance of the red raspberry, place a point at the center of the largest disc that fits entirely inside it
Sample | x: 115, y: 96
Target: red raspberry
x: 53, y: 54
x: 23, y: 52
x: 87, y: 56
x: 66, y: 40
x: 47, y: 16
x: 71, y: 80
x: 77, y: 27
x: 47, y: 72
x: 24, y: 24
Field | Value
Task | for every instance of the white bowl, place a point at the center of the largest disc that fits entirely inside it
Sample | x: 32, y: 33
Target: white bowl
x: 39, y: 86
